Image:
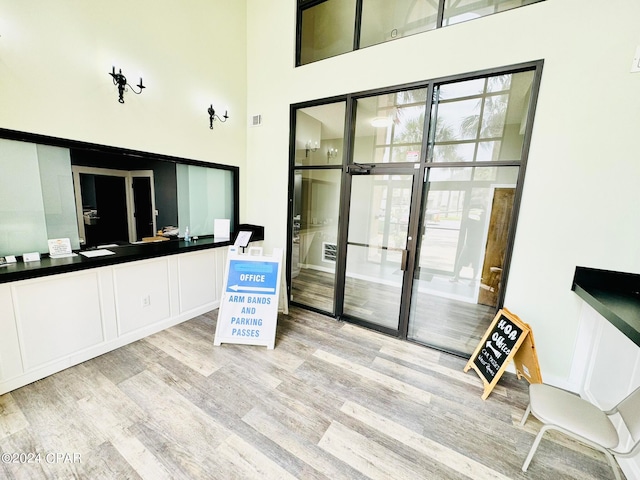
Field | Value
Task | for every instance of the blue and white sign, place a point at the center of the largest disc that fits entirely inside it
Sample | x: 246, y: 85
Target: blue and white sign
x: 253, y: 277
x: 249, y: 306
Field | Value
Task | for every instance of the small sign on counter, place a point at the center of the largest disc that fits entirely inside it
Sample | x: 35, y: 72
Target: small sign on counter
x: 31, y: 257
x: 60, y: 248
x: 221, y: 228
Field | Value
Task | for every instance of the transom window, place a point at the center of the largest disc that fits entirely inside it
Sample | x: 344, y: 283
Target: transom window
x: 331, y: 27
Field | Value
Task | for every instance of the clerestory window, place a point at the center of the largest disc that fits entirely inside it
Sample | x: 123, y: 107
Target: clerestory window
x: 332, y: 27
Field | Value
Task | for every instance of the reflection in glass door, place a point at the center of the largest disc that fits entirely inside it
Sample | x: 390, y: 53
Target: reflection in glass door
x: 461, y: 255
x: 377, y: 248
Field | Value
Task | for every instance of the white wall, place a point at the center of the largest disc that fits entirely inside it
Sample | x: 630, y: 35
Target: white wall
x: 55, y: 56
x: 580, y: 204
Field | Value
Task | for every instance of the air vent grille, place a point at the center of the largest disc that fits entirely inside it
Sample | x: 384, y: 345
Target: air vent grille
x: 256, y: 120
x: 329, y: 252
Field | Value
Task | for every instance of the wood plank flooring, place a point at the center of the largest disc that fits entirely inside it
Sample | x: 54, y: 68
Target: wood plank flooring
x: 331, y: 401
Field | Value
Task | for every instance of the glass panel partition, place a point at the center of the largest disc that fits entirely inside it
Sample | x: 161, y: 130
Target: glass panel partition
x: 56, y: 181
x: 315, y: 237
x: 383, y: 20
x: 326, y: 30
x: 456, y: 11
x: 204, y: 194
x: 318, y: 157
x: 21, y: 204
x: 36, y: 197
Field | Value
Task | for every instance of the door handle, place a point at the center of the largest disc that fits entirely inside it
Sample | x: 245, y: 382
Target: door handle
x: 359, y: 168
x: 403, y: 262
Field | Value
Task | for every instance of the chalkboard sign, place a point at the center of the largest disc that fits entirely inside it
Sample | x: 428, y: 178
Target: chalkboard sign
x: 499, y: 345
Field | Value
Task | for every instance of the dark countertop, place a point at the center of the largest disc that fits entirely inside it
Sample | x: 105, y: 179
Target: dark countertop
x: 614, y: 295
x: 122, y: 254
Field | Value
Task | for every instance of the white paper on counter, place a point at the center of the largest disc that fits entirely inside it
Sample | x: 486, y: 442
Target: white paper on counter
x: 97, y: 253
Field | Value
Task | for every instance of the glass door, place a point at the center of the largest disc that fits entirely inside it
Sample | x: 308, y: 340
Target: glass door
x: 377, y: 245
x: 461, y: 253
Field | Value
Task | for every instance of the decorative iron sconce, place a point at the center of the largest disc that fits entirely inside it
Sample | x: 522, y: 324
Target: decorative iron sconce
x: 121, y: 81
x: 213, y: 116
x: 332, y: 153
x: 310, y: 148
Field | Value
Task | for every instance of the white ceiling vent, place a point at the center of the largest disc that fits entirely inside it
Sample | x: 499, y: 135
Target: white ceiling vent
x: 256, y: 120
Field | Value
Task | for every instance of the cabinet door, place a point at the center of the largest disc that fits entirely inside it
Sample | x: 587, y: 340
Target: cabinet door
x: 57, y: 316
x: 10, y: 361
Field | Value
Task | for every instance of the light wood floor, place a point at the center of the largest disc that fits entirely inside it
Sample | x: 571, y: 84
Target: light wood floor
x: 331, y: 401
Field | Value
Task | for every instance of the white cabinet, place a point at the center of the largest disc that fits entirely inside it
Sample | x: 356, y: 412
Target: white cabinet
x: 50, y: 323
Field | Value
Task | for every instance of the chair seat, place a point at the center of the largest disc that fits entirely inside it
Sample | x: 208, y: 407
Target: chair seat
x: 568, y: 411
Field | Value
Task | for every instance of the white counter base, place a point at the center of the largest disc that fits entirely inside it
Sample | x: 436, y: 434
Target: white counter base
x: 51, y: 323
x: 606, y: 368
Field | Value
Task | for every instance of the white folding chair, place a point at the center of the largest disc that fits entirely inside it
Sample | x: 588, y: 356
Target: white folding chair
x: 568, y: 413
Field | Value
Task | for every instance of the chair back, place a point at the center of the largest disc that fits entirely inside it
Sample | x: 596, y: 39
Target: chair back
x: 629, y: 410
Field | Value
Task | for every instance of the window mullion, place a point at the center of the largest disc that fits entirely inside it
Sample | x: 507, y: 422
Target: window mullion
x: 440, y: 18
x: 358, y: 25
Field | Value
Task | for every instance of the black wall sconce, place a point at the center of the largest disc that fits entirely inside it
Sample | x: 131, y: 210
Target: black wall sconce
x: 121, y: 81
x: 213, y: 116
x: 332, y: 153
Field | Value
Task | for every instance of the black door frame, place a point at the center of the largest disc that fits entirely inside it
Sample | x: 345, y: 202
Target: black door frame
x: 341, y: 265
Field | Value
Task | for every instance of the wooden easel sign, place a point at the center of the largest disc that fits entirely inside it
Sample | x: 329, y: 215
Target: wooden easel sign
x: 507, y: 338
